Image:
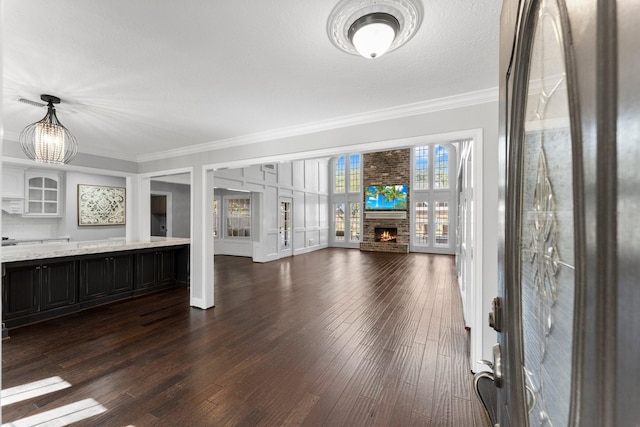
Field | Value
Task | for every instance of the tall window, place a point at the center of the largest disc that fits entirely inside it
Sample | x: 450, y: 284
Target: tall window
x: 346, y: 199
x: 238, y: 217
x: 354, y: 173
x: 340, y: 175
x: 338, y: 209
x: 433, y: 197
x: 421, y: 177
x: 354, y: 221
x: 441, y: 167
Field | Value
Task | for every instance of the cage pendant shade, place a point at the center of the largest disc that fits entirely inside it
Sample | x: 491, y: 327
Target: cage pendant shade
x: 47, y: 140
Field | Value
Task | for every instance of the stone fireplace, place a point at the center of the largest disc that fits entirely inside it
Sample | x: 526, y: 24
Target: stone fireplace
x: 386, y: 168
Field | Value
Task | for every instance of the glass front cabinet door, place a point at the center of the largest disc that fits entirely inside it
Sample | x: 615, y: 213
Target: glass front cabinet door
x: 43, y: 193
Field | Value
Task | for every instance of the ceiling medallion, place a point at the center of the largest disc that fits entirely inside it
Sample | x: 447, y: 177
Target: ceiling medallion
x: 372, y: 27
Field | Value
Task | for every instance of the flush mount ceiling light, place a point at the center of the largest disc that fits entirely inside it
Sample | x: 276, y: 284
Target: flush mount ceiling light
x: 47, y: 140
x: 373, y: 27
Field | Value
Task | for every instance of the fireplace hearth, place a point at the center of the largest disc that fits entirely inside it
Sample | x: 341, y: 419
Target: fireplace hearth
x: 386, y: 234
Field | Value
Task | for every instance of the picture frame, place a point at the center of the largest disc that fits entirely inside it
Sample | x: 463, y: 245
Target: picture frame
x: 100, y: 205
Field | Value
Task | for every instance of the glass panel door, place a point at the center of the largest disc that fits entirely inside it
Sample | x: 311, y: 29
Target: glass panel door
x: 546, y: 231
x: 285, y: 224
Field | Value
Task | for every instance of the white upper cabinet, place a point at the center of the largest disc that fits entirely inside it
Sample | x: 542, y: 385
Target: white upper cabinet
x: 43, y: 191
x: 12, y: 183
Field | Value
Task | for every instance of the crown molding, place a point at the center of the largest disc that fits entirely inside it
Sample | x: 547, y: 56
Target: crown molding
x: 407, y: 110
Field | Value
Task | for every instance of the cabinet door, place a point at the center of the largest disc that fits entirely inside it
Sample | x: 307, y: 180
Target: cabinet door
x: 165, y: 267
x: 94, y: 278
x: 121, y: 268
x: 12, y: 183
x: 43, y: 194
x: 58, y: 284
x: 182, y: 266
x: 21, y: 291
x: 145, y: 270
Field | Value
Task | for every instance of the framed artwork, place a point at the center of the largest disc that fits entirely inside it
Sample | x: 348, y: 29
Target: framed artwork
x: 101, y: 205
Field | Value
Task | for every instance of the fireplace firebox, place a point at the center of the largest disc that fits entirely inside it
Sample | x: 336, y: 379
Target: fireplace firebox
x: 386, y: 234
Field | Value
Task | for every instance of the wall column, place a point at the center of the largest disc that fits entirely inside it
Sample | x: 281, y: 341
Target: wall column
x: 202, y: 239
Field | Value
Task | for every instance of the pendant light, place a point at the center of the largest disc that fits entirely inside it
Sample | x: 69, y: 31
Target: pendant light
x: 47, y: 140
x: 371, y: 28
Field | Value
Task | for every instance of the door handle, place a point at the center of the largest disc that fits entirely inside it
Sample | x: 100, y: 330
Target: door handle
x: 497, y: 365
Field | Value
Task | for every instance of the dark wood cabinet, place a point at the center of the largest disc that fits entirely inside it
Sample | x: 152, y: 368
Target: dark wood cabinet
x: 33, y: 287
x: 58, y: 284
x: 182, y: 267
x: 121, y: 271
x: 145, y: 270
x: 93, y: 280
x: 20, y: 291
x: 108, y: 275
x: 155, y: 269
x: 165, y: 266
x: 40, y: 289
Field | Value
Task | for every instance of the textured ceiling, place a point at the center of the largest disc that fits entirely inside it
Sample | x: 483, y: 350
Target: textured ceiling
x: 146, y: 76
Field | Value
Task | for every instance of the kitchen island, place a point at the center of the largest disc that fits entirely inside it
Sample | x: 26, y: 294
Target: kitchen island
x: 51, y: 279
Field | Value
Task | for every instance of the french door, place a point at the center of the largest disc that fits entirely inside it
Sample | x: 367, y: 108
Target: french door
x: 567, y: 308
x: 286, y: 227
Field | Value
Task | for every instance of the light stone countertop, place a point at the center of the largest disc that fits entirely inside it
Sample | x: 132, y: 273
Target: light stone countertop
x: 63, y: 249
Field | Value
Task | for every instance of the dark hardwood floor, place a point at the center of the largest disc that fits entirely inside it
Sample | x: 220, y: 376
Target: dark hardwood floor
x: 335, y: 337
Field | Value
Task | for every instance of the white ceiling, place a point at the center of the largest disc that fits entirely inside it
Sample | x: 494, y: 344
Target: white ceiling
x: 138, y: 77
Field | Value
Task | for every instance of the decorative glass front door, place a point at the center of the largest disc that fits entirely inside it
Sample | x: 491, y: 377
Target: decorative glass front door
x: 546, y: 234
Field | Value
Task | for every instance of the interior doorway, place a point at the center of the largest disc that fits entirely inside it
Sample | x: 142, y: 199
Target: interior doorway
x: 161, y: 214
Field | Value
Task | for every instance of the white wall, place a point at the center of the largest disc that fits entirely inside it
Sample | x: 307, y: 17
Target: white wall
x: 302, y: 180
x: 69, y: 223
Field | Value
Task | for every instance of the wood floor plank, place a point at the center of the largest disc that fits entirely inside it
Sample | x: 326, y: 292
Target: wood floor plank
x: 334, y: 337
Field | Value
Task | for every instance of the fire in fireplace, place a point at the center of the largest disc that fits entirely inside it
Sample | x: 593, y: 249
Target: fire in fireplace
x: 386, y: 234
